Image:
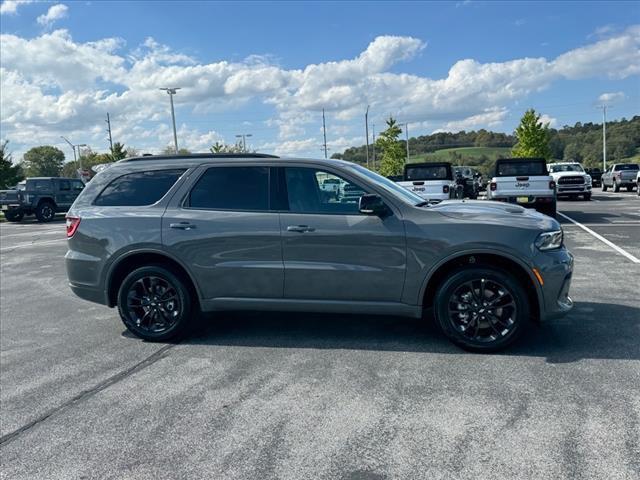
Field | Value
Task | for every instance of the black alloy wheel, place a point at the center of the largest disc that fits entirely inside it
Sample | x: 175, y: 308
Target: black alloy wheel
x: 482, y: 309
x: 154, y: 304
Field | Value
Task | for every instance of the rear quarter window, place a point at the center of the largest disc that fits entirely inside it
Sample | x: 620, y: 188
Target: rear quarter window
x: 138, y: 189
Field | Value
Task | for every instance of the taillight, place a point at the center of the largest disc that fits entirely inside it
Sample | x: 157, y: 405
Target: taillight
x: 493, y: 186
x: 445, y: 189
x: 72, y: 225
x: 552, y: 185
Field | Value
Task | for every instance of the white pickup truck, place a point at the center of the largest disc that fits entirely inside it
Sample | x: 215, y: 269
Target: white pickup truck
x: 571, y: 179
x: 524, y: 181
x: 432, y: 181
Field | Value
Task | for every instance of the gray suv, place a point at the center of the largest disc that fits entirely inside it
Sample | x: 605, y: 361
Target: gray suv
x: 165, y: 237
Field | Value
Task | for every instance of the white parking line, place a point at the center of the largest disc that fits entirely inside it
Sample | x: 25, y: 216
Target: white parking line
x: 31, y: 244
x: 602, y: 239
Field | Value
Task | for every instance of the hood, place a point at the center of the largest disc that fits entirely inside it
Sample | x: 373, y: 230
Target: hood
x: 489, y: 212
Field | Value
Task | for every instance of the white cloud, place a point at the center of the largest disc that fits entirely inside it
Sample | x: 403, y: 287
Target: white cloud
x: 55, y: 13
x: 611, y: 97
x: 10, y: 7
x: 53, y: 85
x: 544, y: 118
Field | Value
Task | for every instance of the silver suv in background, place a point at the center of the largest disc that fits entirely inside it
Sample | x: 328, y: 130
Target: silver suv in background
x: 164, y: 237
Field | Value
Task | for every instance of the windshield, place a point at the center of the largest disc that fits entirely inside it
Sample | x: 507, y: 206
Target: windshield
x: 627, y: 166
x: 393, y: 188
x: 566, y: 168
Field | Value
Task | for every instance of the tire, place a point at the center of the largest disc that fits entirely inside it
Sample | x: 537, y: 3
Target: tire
x: 604, y: 187
x: 488, y: 335
x: 587, y: 197
x: 142, y: 299
x: 616, y: 187
x: 45, y: 212
x: 630, y: 188
x: 14, y: 216
x: 550, y: 210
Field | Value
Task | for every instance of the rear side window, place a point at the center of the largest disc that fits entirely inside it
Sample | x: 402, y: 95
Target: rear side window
x: 232, y: 188
x: 515, y: 169
x: 137, y: 189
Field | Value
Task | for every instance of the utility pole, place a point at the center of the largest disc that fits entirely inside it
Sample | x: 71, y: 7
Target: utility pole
x: 374, y: 145
x: 406, y: 132
x: 108, y: 120
x: 172, y: 91
x: 80, y: 154
x: 324, y: 133
x: 366, y: 129
x: 604, y: 137
x: 244, y: 137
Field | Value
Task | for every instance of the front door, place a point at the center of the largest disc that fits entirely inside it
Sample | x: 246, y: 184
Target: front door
x: 224, y: 231
x: 331, y: 251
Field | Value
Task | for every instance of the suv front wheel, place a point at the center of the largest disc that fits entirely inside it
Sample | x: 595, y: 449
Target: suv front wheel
x: 45, y: 212
x: 155, y: 304
x: 482, y: 309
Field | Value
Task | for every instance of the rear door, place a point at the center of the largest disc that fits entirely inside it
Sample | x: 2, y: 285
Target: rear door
x: 222, y: 227
x: 333, y: 252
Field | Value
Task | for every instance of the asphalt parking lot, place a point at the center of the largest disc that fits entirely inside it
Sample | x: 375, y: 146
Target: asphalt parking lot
x: 291, y: 396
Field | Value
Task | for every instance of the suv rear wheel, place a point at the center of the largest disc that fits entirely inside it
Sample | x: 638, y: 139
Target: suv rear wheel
x: 45, y: 212
x: 482, y: 309
x: 155, y: 304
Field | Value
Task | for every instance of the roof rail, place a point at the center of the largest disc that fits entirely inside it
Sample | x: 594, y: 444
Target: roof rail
x: 199, y: 155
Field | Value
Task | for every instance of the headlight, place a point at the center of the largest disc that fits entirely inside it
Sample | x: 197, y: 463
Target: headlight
x: 549, y: 240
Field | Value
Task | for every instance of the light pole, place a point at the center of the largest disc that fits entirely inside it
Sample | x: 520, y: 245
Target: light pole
x: 244, y: 137
x: 366, y: 130
x: 172, y: 91
x: 73, y: 148
x: 406, y: 132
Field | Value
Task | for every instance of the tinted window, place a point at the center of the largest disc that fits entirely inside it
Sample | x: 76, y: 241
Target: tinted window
x: 306, y: 194
x: 65, y: 185
x: 626, y: 166
x: 77, y: 185
x: 427, y: 172
x: 135, y: 189
x: 40, y: 185
x: 514, y: 169
x: 232, y: 188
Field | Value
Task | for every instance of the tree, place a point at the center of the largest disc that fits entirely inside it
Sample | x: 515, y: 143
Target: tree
x: 43, y: 161
x: 10, y: 174
x: 118, y: 152
x: 533, y: 137
x: 169, y: 150
x: 393, y: 152
x: 220, y: 147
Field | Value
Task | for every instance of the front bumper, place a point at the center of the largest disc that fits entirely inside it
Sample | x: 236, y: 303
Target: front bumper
x: 556, y: 270
x: 573, y: 189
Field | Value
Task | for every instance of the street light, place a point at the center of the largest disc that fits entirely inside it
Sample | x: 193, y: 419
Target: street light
x: 244, y: 137
x: 172, y: 91
x: 80, y: 155
x: 73, y: 148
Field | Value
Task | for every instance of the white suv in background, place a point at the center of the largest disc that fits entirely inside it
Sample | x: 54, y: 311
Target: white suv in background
x: 571, y: 179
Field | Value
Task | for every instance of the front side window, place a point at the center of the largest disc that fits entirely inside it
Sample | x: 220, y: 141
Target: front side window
x: 41, y: 185
x: 138, y: 189
x: 232, y: 188
x: 316, y: 191
x: 77, y: 185
x: 65, y: 185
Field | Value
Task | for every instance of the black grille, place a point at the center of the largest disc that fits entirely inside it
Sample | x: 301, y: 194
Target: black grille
x: 571, y: 181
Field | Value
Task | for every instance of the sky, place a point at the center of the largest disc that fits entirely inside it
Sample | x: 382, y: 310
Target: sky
x: 269, y: 69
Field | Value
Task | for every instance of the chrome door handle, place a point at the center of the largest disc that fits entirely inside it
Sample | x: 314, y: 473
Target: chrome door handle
x: 300, y: 228
x: 182, y: 226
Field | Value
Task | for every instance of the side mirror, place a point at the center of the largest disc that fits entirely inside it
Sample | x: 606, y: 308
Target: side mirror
x: 372, y: 204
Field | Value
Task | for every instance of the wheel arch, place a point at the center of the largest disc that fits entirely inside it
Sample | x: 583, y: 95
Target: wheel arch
x: 41, y: 200
x: 139, y: 258
x: 502, y: 261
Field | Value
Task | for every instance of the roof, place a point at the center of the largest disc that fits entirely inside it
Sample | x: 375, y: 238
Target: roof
x: 199, y: 156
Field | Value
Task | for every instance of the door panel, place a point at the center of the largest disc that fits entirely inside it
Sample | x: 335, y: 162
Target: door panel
x: 230, y: 254
x: 331, y: 251
x: 345, y: 257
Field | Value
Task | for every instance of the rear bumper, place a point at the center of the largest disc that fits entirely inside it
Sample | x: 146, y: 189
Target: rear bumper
x: 91, y: 294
